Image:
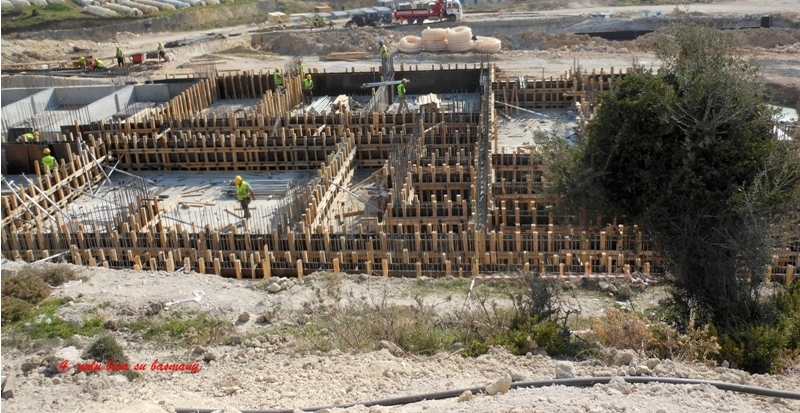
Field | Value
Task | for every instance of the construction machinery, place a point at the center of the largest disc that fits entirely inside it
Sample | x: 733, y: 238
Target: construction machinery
x: 374, y: 16
x: 419, y: 11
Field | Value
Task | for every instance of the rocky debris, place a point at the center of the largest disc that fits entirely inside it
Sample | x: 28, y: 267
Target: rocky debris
x: 466, y: 396
x: 153, y: 309
x: 235, y: 340
x: 209, y: 356
x: 244, y: 317
x: 624, y: 292
x: 9, y: 385
x: 111, y: 325
x: 394, y: 349
x: 607, y: 287
x: 28, y: 366
x: 274, y: 287
x: 198, y: 350
x: 500, y: 386
x: 618, y: 383
x: 565, y: 370
x: 625, y: 358
x: 516, y: 376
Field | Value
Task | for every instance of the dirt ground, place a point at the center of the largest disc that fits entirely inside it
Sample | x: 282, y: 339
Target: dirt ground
x: 525, y: 52
x: 269, y: 371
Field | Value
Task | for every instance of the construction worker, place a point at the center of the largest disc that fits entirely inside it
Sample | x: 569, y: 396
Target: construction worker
x: 161, y: 53
x: 99, y: 65
x: 329, y: 22
x: 120, y: 57
x: 300, y: 68
x: 245, y: 194
x: 48, y: 161
x: 401, y: 93
x: 384, y: 57
x: 308, y: 86
x: 278, y: 78
x: 28, y: 137
x: 317, y: 21
x: 82, y: 63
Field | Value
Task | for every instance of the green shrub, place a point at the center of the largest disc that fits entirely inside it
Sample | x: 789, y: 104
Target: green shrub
x: 104, y: 349
x: 27, y: 287
x: 183, y: 328
x: 14, y: 309
x: 56, y: 7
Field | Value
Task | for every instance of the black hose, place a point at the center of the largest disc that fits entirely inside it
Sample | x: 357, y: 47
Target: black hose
x: 576, y: 382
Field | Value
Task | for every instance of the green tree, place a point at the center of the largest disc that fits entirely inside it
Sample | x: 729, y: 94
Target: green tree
x: 687, y: 152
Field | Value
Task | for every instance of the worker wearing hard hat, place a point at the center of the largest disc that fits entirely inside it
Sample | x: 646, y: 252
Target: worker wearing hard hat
x: 120, y: 57
x: 48, y: 160
x: 401, y: 93
x: 308, y: 86
x: 278, y: 78
x: 384, y: 57
x: 99, y: 65
x: 28, y: 137
x: 245, y: 194
x: 300, y: 68
x: 82, y: 63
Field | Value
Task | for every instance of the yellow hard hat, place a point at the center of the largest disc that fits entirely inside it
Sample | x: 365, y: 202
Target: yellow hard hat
x: 299, y: 60
x: 237, y: 180
x: 308, y: 76
x: 405, y: 80
x: 46, y: 151
x: 36, y: 133
x: 277, y: 69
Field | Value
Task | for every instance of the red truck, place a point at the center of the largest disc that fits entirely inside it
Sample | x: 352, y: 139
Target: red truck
x: 418, y: 12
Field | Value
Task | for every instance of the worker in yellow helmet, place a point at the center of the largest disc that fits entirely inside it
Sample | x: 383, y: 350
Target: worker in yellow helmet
x: 48, y: 160
x: 278, y: 78
x: 401, y: 93
x: 308, y: 86
x: 82, y: 63
x: 245, y: 194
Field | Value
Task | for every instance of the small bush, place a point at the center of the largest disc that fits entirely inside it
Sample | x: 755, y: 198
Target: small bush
x: 757, y: 349
x: 56, y: 7
x: 27, y: 287
x: 622, y: 330
x: 57, y: 275
x: 696, y: 344
x: 183, y: 328
x: 14, y: 309
x: 104, y: 349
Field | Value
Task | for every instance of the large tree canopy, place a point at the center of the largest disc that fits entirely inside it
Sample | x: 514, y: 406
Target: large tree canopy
x: 688, y: 153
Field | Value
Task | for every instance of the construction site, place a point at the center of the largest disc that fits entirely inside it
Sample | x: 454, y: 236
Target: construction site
x: 346, y: 184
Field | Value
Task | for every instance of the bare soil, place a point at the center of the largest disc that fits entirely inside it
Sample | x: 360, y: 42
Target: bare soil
x: 271, y: 370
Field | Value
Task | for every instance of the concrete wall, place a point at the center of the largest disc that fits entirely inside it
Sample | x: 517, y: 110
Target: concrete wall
x: 152, y: 93
x: 21, y: 110
x: 109, y: 105
x: 82, y: 95
x: 12, y: 95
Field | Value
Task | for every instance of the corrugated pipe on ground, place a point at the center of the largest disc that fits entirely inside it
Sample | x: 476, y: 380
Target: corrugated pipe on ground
x: 576, y: 382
